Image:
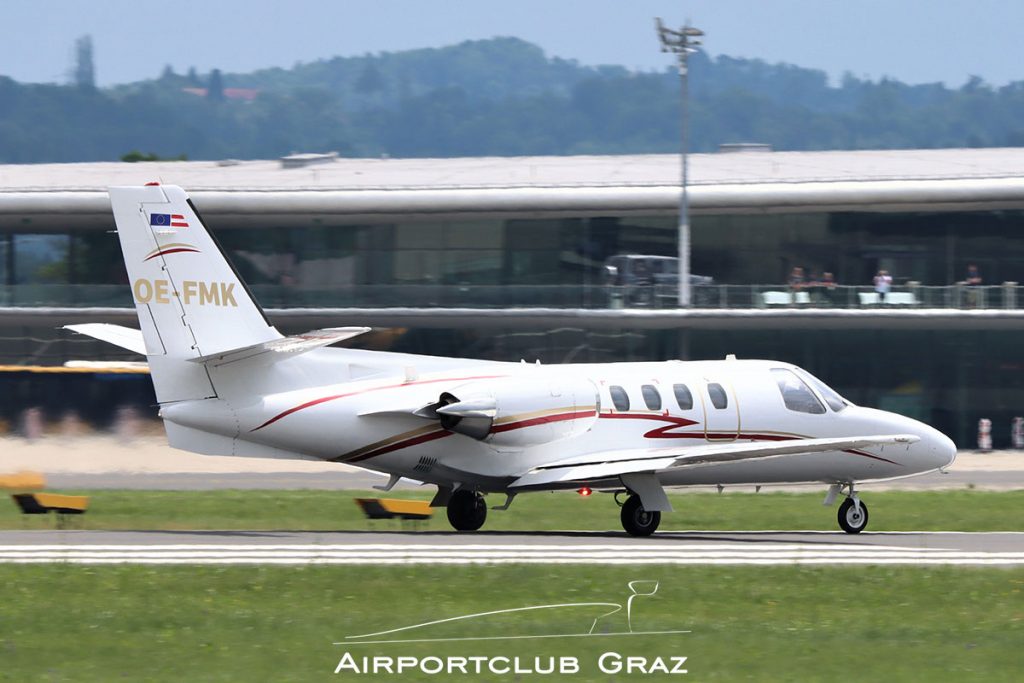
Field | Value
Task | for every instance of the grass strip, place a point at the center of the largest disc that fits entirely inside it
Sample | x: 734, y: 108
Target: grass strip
x: 958, y: 510
x: 73, y: 623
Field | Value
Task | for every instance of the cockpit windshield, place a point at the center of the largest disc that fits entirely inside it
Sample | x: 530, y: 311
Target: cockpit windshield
x: 834, y: 400
x: 796, y: 394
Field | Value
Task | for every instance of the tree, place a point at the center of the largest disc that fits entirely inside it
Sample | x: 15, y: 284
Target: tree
x: 370, y: 80
x: 215, y: 87
x: 136, y: 156
x: 85, y: 70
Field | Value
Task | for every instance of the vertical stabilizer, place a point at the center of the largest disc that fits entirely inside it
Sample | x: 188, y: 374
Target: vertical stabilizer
x: 190, y: 300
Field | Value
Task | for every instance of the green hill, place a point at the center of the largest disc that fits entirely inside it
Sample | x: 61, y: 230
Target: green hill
x: 493, y: 97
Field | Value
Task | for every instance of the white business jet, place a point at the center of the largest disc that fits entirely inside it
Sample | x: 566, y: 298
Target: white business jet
x: 229, y: 383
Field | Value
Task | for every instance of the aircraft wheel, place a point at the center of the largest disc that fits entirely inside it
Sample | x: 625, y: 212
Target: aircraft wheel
x: 850, y: 520
x: 637, y: 521
x: 467, y: 510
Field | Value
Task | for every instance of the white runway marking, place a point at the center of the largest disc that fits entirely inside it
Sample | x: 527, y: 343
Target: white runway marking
x: 380, y: 554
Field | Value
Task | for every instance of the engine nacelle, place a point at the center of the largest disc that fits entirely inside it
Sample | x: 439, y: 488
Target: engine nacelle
x: 513, y: 414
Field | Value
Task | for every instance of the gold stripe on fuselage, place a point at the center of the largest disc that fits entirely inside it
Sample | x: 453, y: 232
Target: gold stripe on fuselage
x: 543, y: 413
x: 387, y: 442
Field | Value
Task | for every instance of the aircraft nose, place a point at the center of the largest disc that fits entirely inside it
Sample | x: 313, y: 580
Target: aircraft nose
x: 943, y: 448
x: 935, y: 450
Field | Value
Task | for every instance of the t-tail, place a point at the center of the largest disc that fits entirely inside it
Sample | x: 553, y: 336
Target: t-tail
x: 190, y: 300
x: 195, y: 313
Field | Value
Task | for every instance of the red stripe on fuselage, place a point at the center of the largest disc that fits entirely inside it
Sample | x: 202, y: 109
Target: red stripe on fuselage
x: 660, y: 432
x: 334, y: 397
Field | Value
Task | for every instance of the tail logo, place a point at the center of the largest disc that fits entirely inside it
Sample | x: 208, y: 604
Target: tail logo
x: 167, y: 220
x: 172, y: 248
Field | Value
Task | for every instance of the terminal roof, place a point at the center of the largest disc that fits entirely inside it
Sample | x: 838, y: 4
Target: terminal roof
x: 645, y: 170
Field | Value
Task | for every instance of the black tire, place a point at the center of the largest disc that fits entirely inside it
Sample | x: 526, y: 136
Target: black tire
x: 849, y: 520
x: 467, y: 510
x: 637, y: 521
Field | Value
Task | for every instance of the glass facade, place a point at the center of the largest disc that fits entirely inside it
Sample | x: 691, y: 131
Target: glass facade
x: 929, y: 248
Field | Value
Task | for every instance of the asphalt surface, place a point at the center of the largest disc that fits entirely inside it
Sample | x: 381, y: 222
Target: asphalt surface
x: 566, y: 547
x: 965, y: 541
x: 996, y: 541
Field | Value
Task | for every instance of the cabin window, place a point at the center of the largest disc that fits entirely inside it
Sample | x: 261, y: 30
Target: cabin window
x: 683, y: 396
x: 719, y: 399
x: 795, y: 394
x: 619, y: 397
x: 652, y: 399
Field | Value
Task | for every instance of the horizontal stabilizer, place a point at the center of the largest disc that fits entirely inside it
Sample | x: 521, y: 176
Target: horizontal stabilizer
x: 125, y: 337
x: 610, y: 464
x: 286, y: 346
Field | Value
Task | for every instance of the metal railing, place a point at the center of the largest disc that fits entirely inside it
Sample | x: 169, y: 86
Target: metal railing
x: 1007, y: 296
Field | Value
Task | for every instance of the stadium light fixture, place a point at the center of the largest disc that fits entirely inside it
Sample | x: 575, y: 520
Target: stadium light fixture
x: 682, y: 43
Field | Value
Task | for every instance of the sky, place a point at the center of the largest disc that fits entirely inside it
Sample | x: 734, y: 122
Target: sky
x: 916, y: 41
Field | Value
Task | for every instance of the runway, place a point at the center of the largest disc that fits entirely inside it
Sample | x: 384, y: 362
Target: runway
x: 568, y: 547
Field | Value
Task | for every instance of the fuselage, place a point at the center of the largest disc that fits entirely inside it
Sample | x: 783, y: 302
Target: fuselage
x: 519, y: 416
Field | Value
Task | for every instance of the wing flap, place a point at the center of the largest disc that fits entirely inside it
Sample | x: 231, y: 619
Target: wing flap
x: 607, y: 464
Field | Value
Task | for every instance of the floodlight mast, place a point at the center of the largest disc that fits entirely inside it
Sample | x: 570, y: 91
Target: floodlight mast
x: 682, y: 43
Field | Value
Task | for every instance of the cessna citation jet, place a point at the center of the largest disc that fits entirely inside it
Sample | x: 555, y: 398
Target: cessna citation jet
x: 229, y: 383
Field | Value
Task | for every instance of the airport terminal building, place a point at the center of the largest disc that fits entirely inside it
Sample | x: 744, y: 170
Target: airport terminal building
x: 506, y: 258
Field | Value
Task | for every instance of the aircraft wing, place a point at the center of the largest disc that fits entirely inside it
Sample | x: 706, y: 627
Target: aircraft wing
x: 125, y: 337
x: 608, y: 464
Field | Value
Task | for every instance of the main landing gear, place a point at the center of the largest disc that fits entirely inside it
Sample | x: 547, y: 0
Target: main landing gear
x: 467, y: 510
x: 637, y: 521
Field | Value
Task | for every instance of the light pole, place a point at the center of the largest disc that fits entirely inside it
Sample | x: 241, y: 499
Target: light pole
x: 682, y: 43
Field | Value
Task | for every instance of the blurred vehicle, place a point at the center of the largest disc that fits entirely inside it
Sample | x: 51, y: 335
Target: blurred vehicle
x: 648, y: 280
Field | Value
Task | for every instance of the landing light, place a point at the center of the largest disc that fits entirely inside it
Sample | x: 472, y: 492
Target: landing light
x: 585, y: 491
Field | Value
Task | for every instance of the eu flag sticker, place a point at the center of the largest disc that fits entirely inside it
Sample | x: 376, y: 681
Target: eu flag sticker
x: 167, y: 220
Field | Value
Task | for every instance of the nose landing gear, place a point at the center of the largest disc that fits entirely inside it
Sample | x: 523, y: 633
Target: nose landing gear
x: 853, y: 515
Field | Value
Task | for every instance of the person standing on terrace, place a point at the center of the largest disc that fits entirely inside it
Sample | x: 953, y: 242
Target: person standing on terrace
x: 883, y: 285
